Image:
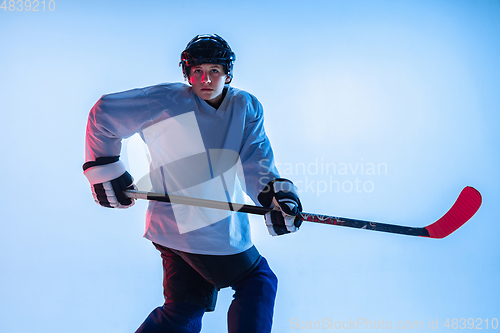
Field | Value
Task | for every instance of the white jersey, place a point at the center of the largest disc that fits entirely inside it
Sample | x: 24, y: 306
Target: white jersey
x: 197, y: 151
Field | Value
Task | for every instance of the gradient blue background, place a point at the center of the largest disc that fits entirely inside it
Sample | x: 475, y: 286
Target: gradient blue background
x: 412, y: 85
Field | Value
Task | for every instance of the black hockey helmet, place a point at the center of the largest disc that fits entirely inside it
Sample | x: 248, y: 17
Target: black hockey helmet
x: 210, y: 48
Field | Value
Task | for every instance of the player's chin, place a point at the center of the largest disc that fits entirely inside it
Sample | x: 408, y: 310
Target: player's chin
x: 206, y: 94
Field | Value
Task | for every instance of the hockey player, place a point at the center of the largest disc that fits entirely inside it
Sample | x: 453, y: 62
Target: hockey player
x: 206, y: 140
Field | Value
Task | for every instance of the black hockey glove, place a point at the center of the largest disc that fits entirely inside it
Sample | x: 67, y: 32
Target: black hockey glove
x: 281, y: 194
x: 108, y: 180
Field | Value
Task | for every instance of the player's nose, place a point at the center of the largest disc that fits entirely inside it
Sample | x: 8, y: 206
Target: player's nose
x: 205, y: 78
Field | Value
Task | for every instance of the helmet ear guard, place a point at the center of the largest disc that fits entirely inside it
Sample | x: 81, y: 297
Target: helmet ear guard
x: 207, y: 49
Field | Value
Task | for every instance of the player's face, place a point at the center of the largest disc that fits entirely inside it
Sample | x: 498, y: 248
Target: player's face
x: 208, y: 82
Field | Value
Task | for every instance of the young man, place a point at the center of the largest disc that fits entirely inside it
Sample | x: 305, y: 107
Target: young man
x: 206, y: 140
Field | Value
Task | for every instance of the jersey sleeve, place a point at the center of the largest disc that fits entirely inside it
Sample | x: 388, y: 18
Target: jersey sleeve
x: 256, y: 155
x: 113, y: 118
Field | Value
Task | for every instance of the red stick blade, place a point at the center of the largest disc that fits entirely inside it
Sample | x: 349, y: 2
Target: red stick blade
x: 463, y: 209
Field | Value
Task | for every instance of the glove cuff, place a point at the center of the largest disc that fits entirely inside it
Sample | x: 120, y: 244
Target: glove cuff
x: 282, y: 184
x: 104, y: 173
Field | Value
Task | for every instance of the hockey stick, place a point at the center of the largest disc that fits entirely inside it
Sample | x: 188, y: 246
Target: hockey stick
x: 463, y: 209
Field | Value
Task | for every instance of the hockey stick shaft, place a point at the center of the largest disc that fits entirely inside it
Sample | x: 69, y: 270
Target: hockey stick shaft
x: 360, y: 224
x: 464, y: 208
x: 223, y: 205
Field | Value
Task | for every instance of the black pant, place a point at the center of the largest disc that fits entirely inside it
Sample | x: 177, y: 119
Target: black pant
x: 190, y: 288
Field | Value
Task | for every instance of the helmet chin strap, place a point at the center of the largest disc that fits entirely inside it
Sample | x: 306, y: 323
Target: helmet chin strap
x: 186, y: 78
